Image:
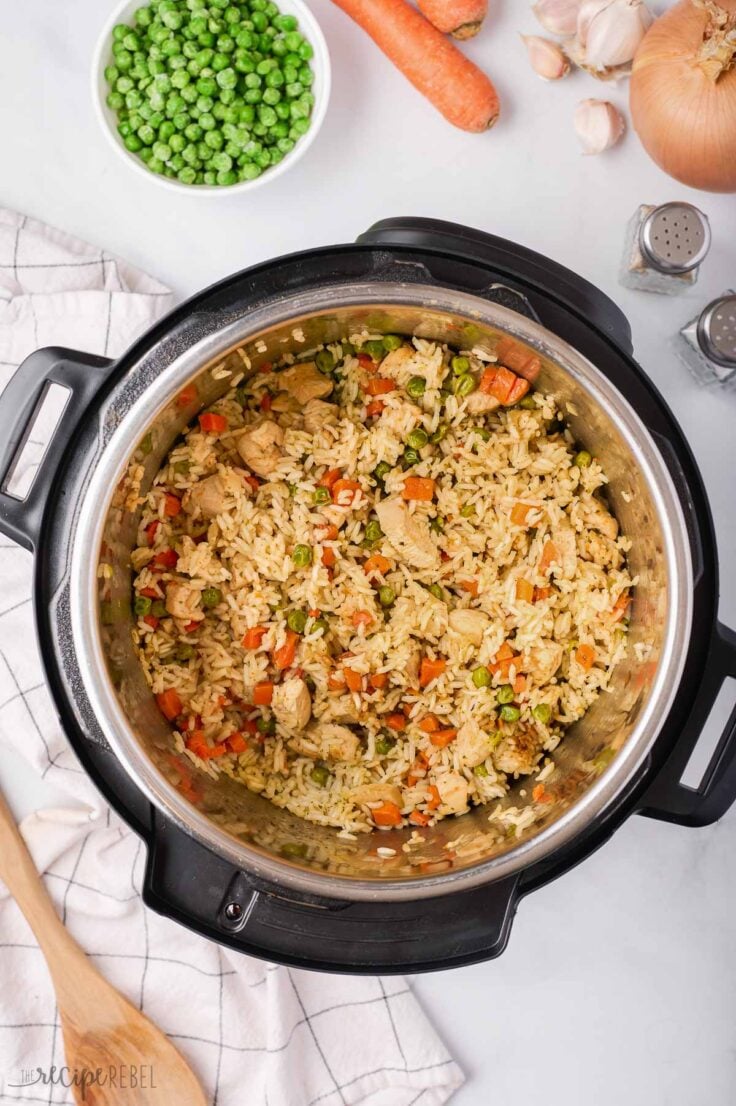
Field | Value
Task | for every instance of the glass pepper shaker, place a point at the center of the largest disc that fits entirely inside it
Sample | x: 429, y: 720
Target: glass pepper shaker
x: 707, y: 345
x: 664, y: 248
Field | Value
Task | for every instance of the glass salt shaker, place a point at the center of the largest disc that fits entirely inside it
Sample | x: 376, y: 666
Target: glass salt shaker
x: 707, y: 345
x: 664, y: 248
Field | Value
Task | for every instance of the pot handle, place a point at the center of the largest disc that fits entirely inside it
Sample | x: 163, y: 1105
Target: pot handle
x: 82, y: 375
x: 533, y: 270
x: 668, y: 798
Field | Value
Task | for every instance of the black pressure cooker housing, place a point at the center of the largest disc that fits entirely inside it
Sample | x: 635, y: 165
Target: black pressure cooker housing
x: 196, y: 887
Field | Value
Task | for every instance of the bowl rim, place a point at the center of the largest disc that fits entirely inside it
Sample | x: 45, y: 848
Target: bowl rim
x: 320, y: 62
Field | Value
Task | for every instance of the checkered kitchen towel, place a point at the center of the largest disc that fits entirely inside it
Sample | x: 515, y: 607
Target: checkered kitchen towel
x: 252, y: 1031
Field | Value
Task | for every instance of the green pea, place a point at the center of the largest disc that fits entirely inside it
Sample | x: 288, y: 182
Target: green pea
x: 302, y: 556
x: 416, y: 387
x: 374, y: 349
x: 381, y: 471
x: 319, y: 624
x: 436, y: 591
x: 417, y: 438
x: 158, y: 608
x: 464, y: 385
x: 480, y: 676
x: 482, y: 433
x: 480, y: 770
x: 460, y: 365
x: 296, y: 621
x: 440, y: 433
x: 467, y: 511
x: 184, y: 652
x: 320, y: 775
x: 133, y: 143
x: 583, y: 459
x: 266, y: 725
x: 386, y: 596
x: 410, y: 457
x: 373, y: 531
x: 505, y: 694
x: 528, y: 403
x: 324, y: 361
x: 384, y: 744
x: 211, y: 597
x: 141, y: 605
x: 510, y: 714
x: 542, y: 712
x: 321, y: 496
x: 437, y: 525
x: 392, y: 341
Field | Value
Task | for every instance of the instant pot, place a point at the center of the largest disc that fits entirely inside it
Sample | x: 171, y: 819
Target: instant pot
x: 224, y: 861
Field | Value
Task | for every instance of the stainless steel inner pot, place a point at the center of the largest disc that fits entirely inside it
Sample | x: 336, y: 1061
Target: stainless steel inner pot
x: 597, y: 757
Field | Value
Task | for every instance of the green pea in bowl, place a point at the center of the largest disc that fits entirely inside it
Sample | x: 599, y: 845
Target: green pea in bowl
x: 211, y: 95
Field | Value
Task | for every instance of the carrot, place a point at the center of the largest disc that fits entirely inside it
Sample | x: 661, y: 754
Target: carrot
x: 585, y: 656
x: 211, y: 423
x: 252, y: 481
x: 396, y: 722
x: 263, y: 694
x: 460, y: 18
x: 266, y: 401
x: 418, y: 819
x: 519, y: 685
x: 471, y: 586
x: 172, y: 505
x: 519, y: 511
x: 541, y: 593
x: 378, y: 680
x: 518, y: 357
x: 329, y: 532
x: 367, y: 362
x: 486, y: 381
x: 550, y: 555
x: 503, y: 384
x: 429, y: 724
x: 442, y: 738
x: 379, y: 386
x: 284, y: 657
x: 418, y: 487
x: 253, y: 637
x: 453, y: 84
x: 387, y: 814
x: 619, y: 607
x: 191, y: 627
x: 525, y: 591
x: 344, y: 492
x: 374, y: 409
x: 151, y: 593
x: 503, y: 660
x: 353, y: 679
x: 151, y: 531
x: 377, y: 563
x: 328, y: 556
x: 329, y: 478
x: 429, y: 670
x: 361, y: 618
x: 518, y: 391
x: 539, y: 795
x: 169, y: 703
x: 167, y: 558
x: 336, y: 681
x: 434, y: 798
x: 237, y: 743
x: 151, y: 620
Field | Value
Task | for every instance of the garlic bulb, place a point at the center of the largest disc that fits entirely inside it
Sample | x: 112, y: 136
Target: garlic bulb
x: 599, y: 125
x: 559, y: 17
x: 547, y: 59
x: 608, y: 35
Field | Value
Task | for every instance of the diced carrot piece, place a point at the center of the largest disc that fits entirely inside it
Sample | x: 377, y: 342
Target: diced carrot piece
x: 418, y: 819
x: 353, y: 679
x: 487, y: 380
x: 344, y: 492
x: 387, y: 814
x: 196, y: 742
x: 503, y: 384
x: 374, y: 409
x: 151, y: 620
x: 336, y: 680
x: 379, y: 386
x: 212, y: 423
x: 519, y: 685
x: 151, y: 531
x: 191, y: 627
x: 434, y: 798
x: 619, y: 607
x: 518, y: 358
x: 503, y: 660
x: 519, y: 390
x: 187, y: 396
x: 263, y: 694
x: 442, y: 738
x: 329, y: 532
x: 471, y: 586
x: 150, y: 593
x: 504, y: 652
x: 167, y: 558
x: 538, y: 793
x: 361, y: 618
x: 377, y: 563
x: 585, y: 656
x: 396, y: 722
x: 314, y: 612
x: 378, y: 680
x: 220, y: 750
x: 524, y: 591
x: 418, y: 770
x: 169, y: 703
x: 251, y: 726
x: 418, y: 487
x: 550, y: 556
x: 252, y: 481
x: 253, y: 637
x: 519, y: 511
x: 172, y: 505
x: 429, y: 724
x: 266, y: 401
x: 328, y: 556
x: 366, y: 362
x: 541, y: 593
x: 237, y: 743
x: 329, y: 478
x: 430, y: 669
x: 407, y: 708
x: 284, y: 657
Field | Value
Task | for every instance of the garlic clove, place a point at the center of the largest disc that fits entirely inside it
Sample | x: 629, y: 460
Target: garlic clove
x: 609, y: 32
x: 559, y: 17
x: 546, y: 58
x: 599, y: 125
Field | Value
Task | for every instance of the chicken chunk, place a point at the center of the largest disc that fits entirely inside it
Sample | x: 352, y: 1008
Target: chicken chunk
x: 470, y: 625
x: 407, y: 533
x: 480, y: 403
x: 563, y: 536
x: 340, y: 709
x: 316, y: 414
x: 426, y: 617
x: 595, y: 515
x: 183, y: 601
x: 292, y: 704
x: 304, y: 382
x: 453, y: 789
x: 542, y: 661
x: 601, y: 550
x: 284, y: 404
x: 377, y: 793
x: 209, y: 496
x: 328, y: 741
x: 472, y: 744
x: 518, y: 753
x: 260, y: 447
x: 397, y: 361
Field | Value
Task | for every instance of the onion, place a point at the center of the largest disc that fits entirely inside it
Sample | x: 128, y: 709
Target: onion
x: 683, y: 93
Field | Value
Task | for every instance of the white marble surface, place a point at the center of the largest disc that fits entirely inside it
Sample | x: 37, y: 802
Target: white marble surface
x: 619, y: 983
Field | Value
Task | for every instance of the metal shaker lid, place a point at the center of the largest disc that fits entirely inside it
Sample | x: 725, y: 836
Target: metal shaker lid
x: 717, y: 330
x: 675, y: 237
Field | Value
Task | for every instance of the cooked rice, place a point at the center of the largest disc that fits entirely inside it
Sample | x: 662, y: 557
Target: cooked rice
x: 245, y: 551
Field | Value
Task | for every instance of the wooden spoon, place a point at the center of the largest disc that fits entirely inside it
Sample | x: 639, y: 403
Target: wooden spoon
x: 101, y: 1029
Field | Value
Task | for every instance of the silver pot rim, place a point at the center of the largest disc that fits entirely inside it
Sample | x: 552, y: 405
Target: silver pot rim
x: 83, y: 591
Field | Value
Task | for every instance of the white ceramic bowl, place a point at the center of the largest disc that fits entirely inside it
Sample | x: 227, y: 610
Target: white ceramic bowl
x: 320, y: 63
